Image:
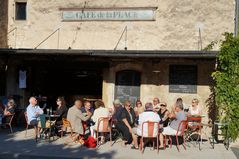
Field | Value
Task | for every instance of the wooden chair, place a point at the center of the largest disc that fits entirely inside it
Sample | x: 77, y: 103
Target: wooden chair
x: 182, y: 127
x: 9, y: 123
x: 104, y: 126
x: 151, y: 134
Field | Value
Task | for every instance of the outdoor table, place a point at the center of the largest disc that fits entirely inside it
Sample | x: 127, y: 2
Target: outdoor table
x: 220, y: 125
x: 51, y: 118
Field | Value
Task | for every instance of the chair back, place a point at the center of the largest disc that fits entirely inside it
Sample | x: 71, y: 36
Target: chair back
x: 43, y: 120
x: 103, y: 124
x: 11, y: 118
x: 66, y: 123
x: 25, y: 114
x: 152, y: 129
x: 194, y: 122
x: 182, y: 127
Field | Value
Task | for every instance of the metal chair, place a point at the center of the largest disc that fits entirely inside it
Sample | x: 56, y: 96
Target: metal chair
x: 9, y: 123
x: 194, y: 127
x: 67, y: 124
x: 104, y: 126
x: 182, y: 127
x: 151, y: 133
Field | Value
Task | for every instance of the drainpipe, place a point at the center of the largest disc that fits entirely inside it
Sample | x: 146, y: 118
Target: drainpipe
x: 236, y: 17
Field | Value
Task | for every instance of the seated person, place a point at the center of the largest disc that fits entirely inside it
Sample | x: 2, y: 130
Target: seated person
x: 125, y: 122
x: 8, y: 111
x: 33, y: 112
x: 100, y: 111
x: 75, y: 116
x: 87, y: 108
x: 61, y: 110
x: 147, y: 115
x: 195, y: 109
x: 117, y: 110
x: 138, y: 109
x: 163, y: 114
x: 178, y: 115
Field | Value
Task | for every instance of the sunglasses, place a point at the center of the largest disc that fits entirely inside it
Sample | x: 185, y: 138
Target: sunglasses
x: 163, y: 105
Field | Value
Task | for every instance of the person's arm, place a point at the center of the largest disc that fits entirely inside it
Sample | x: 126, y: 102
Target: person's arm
x: 82, y: 116
x: 127, y: 124
x: 39, y: 110
x: 166, y: 116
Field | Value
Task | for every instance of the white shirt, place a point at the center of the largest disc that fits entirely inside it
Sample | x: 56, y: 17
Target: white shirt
x: 147, y: 116
x: 98, y: 113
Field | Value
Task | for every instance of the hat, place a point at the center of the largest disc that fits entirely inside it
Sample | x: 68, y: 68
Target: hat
x: 163, y: 103
x: 148, y: 106
x: 116, y: 102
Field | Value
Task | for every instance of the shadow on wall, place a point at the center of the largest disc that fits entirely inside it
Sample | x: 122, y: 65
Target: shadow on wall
x: 25, y: 148
x: 211, y: 105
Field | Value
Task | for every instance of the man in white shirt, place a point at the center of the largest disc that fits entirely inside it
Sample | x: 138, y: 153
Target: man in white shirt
x: 147, y: 115
x: 33, y: 112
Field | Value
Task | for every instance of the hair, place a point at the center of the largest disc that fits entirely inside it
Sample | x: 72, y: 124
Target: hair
x: 157, y: 99
x: 78, y: 100
x: 99, y: 103
x: 62, y: 99
x: 179, y: 105
x: 179, y: 100
x: 31, y: 98
x: 149, y: 106
x: 127, y: 102
x: 196, y: 100
x: 138, y: 100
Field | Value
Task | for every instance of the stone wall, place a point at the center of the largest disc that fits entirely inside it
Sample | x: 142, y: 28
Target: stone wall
x: 157, y: 84
x: 3, y: 23
x: 176, y: 26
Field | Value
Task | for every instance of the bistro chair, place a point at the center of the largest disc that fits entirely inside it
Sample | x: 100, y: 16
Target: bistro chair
x: 182, y: 127
x: 104, y: 126
x: 9, y: 123
x: 116, y: 134
x: 194, y: 129
x: 149, y: 134
x: 67, y: 124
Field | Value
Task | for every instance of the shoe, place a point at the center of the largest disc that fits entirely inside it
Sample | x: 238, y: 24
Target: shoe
x: 161, y: 148
x: 134, y: 148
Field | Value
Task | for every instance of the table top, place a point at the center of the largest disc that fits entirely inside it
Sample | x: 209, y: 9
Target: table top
x: 52, y: 115
x: 221, y: 123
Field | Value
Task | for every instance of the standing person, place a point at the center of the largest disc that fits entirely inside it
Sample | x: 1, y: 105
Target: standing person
x: 156, y: 102
x: 33, y: 112
x: 75, y: 116
x: 164, y: 114
x: 126, y: 122
x: 178, y: 115
x: 138, y: 109
x: 195, y: 109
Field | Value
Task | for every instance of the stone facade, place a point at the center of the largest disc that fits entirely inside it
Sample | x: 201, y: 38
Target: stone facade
x: 176, y: 26
x: 3, y: 23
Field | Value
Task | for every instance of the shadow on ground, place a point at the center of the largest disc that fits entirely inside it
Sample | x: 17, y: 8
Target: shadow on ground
x: 235, y: 150
x: 17, y: 146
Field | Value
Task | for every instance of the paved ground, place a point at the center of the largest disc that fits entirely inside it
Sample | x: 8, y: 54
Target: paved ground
x: 18, y: 146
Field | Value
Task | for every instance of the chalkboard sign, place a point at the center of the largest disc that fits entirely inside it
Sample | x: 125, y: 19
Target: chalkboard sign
x: 127, y: 86
x: 183, y: 79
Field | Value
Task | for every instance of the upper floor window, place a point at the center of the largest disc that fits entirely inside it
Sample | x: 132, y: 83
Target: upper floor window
x: 21, y: 12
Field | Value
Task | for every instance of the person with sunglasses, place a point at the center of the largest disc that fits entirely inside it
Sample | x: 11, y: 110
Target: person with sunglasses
x: 164, y: 114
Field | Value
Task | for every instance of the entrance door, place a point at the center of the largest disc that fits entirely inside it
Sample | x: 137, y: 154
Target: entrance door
x: 127, y: 85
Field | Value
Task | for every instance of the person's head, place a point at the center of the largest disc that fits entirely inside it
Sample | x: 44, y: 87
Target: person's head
x: 163, y: 105
x: 10, y: 103
x: 127, y: 104
x: 179, y: 107
x: 87, y: 105
x: 33, y: 101
x: 60, y: 101
x: 195, y: 102
x: 179, y: 100
x: 78, y: 103
x: 156, y: 101
x: 138, y: 103
x: 149, y: 106
x: 99, y: 103
x: 117, y: 103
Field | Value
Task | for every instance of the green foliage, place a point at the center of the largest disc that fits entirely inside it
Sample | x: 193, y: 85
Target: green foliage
x: 226, y: 79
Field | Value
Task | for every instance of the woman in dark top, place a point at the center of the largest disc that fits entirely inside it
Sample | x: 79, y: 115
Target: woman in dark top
x: 126, y: 122
x: 61, y: 110
x: 163, y: 113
